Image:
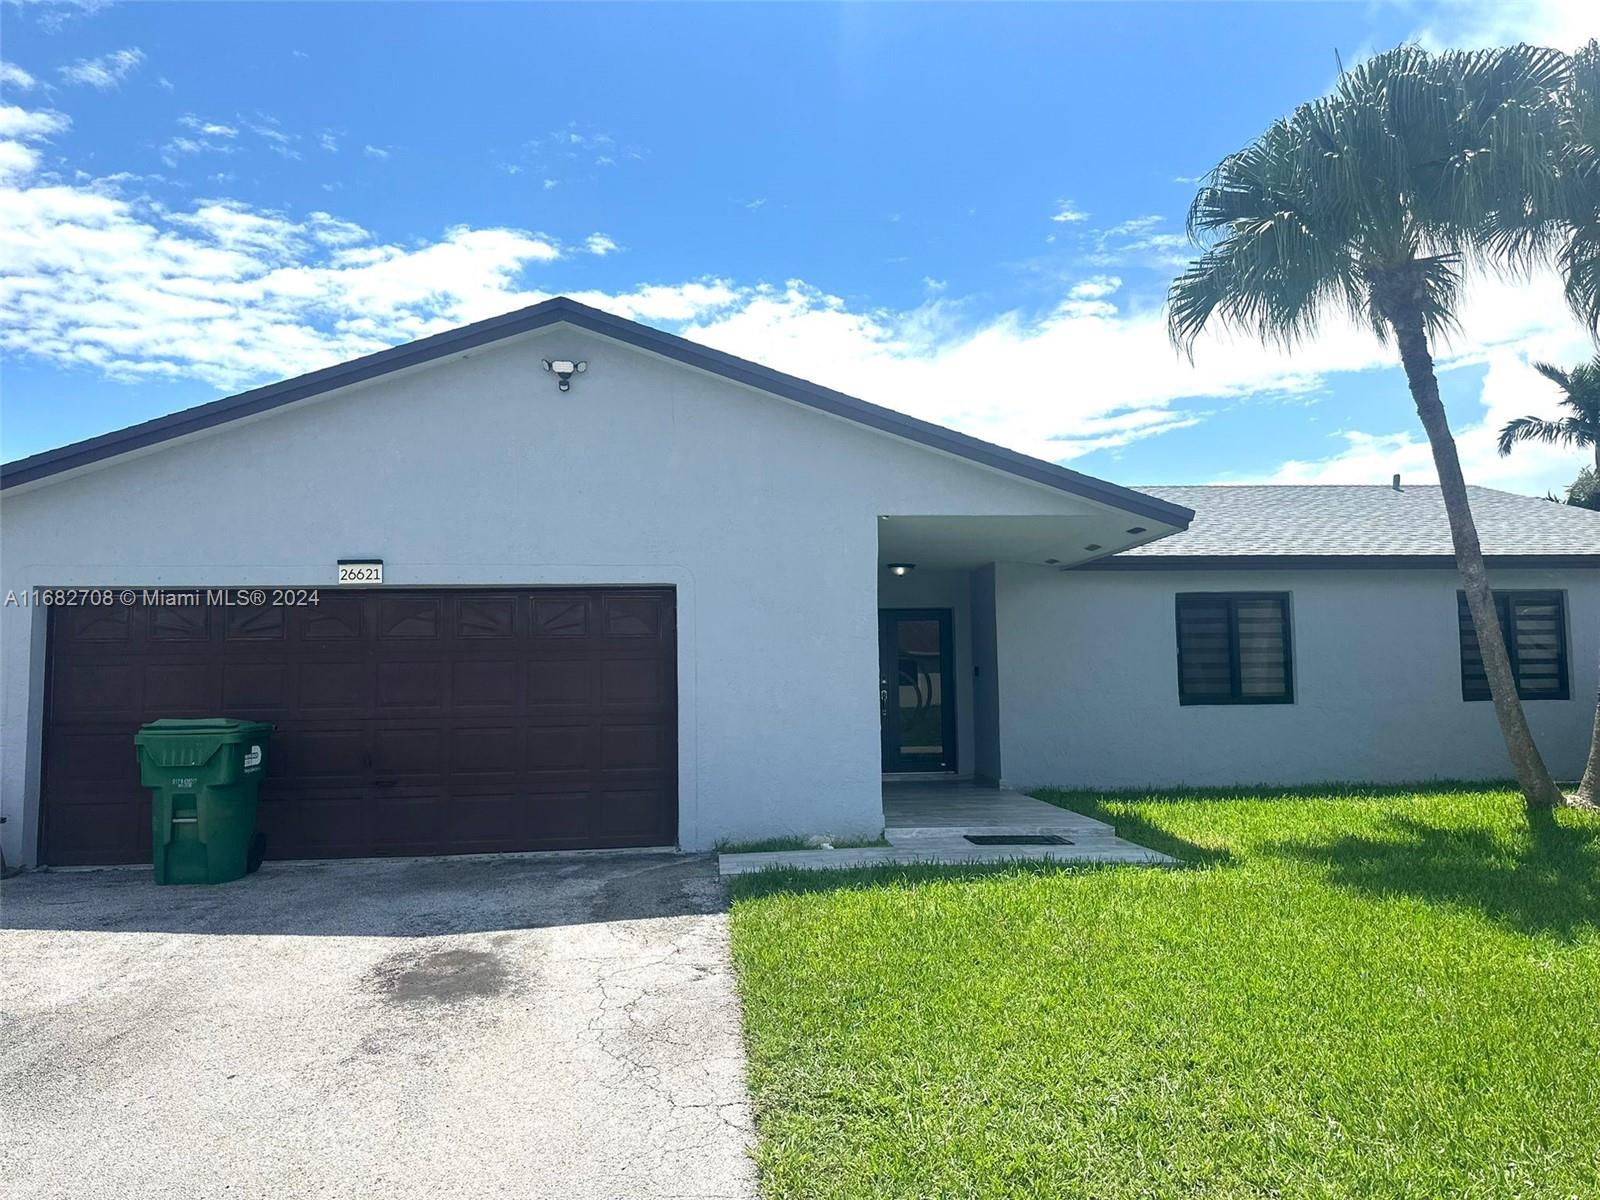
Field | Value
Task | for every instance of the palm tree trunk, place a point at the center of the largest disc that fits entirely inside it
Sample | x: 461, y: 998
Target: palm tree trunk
x: 1589, y: 789
x: 1538, y: 789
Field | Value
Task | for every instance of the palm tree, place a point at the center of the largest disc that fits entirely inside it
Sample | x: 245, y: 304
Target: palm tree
x: 1575, y: 220
x: 1372, y: 202
x: 1581, y: 386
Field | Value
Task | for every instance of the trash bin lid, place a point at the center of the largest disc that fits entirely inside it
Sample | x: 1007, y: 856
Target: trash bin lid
x: 188, y: 726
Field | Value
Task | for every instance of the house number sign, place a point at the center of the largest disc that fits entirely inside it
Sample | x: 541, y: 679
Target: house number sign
x: 361, y: 570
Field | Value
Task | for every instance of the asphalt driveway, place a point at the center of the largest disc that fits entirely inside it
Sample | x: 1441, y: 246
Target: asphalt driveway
x: 468, y: 1028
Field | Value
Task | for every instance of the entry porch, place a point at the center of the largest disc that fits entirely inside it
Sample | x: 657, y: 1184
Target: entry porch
x: 959, y: 823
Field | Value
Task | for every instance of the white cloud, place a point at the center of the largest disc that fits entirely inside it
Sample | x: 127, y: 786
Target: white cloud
x: 1066, y: 214
x: 375, y: 152
x: 1511, y: 388
x: 234, y: 294
x: 599, y: 244
x: 207, y: 128
x: 107, y: 71
x: 1135, y: 227
x: 1564, y: 24
x: 280, y: 143
x: 13, y: 76
x: 224, y: 292
x: 1096, y: 287
x: 16, y: 161
x: 20, y: 123
x: 1139, y: 241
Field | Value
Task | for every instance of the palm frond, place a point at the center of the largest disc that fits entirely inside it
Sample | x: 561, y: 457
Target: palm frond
x: 1580, y: 392
x: 1553, y: 373
x: 1416, y: 169
x: 1578, y: 258
x: 1565, y: 432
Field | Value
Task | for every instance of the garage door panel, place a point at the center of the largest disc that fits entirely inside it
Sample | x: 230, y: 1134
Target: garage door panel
x: 332, y: 619
x: 487, y: 684
x: 313, y: 754
x: 485, y: 618
x: 482, y: 822
x: 633, y: 746
x: 180, y: 689
x: 560, y: 747
x: 259, y: 687
x: 633, y: 682
x: 632, y: 616
x: 339, y: 684
x: 410, y: 618
x: 256, y: 624
x: 560, y: 616
x: 104, y: 756
x: 180, y: 623
x: 565, y: 817
x: 100, y: 624
x: 105, y: 689
x: 91, y: 832
x: 478, y: 750
x: 407, y: 721
x: 632, y: 812
x: 561, y: 683
x: 316, y: 825
x: 411, y: 685
x: 409, y: 750
x: 406, y: 823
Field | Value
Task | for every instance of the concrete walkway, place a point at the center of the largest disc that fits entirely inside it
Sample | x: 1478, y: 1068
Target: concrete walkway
x: 508, y: 1027
x: 929, y: 823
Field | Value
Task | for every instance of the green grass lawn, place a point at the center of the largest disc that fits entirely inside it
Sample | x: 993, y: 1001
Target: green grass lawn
x: 1354, y: 993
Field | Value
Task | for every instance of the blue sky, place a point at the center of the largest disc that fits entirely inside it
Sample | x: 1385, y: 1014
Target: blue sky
x: 968, y: 213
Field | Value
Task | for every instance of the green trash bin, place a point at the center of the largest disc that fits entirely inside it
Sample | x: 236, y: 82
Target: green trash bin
x: 203, y: 775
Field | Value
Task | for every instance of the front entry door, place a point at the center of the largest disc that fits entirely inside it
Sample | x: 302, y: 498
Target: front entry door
x: 916, y: 689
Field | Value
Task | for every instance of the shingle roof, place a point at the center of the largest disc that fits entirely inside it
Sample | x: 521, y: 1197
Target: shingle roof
x: 1362, y: 520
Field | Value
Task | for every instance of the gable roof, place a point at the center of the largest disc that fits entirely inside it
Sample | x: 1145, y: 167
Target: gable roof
x: 1352, y: 525
x: 563, y: 310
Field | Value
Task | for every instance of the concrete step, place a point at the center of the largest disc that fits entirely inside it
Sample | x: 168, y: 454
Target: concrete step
x: 1114, y: 851
x: 1088, y: 827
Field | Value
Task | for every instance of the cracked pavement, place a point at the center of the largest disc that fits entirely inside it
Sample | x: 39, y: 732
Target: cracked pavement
x: 514, y: 1027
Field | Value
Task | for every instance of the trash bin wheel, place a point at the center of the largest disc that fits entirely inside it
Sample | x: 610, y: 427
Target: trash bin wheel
x: 258, y: 851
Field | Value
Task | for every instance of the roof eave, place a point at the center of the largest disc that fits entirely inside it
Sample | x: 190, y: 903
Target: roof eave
x: 1327, y: 562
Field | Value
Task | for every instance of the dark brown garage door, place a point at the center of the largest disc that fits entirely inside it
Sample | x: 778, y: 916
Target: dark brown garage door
x: 409, y: 722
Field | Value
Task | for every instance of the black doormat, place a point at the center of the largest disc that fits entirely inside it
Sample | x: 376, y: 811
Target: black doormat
x: 1016, y: 839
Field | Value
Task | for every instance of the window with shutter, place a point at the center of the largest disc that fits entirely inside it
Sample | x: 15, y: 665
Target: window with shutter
x: 1233, y: 648
x: 1535, y: 629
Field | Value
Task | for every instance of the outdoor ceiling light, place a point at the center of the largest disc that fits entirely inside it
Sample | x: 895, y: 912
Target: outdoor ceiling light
x: 1137, y: 529
x: 901, y: 568
x: 564, y: 369
x: 1092, y: 546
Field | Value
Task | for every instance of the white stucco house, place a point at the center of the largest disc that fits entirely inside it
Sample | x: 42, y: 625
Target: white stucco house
x: 676, y: 597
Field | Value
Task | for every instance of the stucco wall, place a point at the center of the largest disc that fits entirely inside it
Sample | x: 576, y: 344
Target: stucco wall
x: 1089, y: 696
x: 477, y: 471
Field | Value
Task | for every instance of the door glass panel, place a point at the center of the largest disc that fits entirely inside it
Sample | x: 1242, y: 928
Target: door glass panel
x: 919, y: 690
